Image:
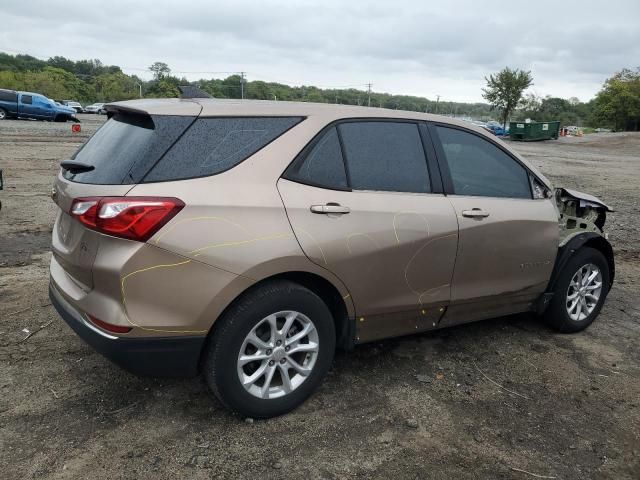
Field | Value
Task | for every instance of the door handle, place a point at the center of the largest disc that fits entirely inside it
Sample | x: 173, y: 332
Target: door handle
x: 330, y: 208
x: 475, y: 213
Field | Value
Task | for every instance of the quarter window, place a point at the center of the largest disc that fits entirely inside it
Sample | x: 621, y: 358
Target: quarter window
x: 385, y: 156
x: 480, y: 168
x: 213, y: 145
x: 323, y: 166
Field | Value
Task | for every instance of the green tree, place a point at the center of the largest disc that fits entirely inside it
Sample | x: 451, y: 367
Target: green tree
x: 164, y: 88
x: 112, y: 87
x: 63, y: 63
x: 504, y: 90
x: 160, y: 70
x: 618, y: 103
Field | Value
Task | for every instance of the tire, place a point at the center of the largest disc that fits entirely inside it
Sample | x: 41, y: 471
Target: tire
x: 3, y: 114
x: 254, y: 313
x: 559, y: 314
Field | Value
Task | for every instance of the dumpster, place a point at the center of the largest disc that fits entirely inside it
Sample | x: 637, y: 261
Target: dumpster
x: 527, y: 132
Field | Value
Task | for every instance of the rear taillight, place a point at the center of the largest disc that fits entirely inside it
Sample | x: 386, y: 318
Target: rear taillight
x: 133, y: 218
x: 109, y: 327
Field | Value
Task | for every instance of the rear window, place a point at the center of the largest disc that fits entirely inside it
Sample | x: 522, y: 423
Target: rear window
x: 131, y: 149
x: 213, y: 145
x: 7, y: 96
x: 126, y: 147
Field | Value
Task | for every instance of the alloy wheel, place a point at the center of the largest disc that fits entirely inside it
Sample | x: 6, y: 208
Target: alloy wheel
x: 584, y: 292
x: 278, y: 354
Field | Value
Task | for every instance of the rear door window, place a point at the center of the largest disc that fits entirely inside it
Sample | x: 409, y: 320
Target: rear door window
x: 213, y: 145
x: 480, y: 168
x: 126, y: 147
x: 7, y: 96
x: 385, y: 156
x: 323, y: 166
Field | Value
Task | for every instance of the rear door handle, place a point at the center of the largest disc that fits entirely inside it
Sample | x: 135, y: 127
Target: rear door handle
x: 330, y: 208
x: 475, y: 213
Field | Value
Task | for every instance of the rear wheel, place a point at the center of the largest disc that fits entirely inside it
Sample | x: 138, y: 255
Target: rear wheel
x: 579, y: 292
x: 3, y: 114
x: 270, y: 350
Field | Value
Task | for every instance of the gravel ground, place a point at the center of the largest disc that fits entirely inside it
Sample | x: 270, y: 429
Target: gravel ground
x: 496, y: 399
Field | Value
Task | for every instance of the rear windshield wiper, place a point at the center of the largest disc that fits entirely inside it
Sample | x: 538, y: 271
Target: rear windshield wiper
x: 76, y: 167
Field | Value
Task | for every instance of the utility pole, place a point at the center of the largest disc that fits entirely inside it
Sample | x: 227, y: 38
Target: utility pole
x: 437, y: 101
x: 139, y: 85
x: 242, y: 85
x: 368, y: 94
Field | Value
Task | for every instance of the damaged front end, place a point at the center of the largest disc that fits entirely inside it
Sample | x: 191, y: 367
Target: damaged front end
x: 579, y: 213
x: 581, y: 218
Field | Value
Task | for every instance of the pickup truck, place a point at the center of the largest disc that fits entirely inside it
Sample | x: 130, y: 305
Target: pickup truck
x: 33, y: 105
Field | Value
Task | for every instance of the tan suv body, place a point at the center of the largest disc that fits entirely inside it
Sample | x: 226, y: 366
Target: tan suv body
x: 181, y: 216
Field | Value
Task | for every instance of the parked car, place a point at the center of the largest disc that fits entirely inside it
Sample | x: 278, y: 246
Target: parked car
x: 478, y: 124
x: 497, y: 129
x: 95, y: 108
x: 30, y: 105
x: 247, y: 240
x: 73, y: 104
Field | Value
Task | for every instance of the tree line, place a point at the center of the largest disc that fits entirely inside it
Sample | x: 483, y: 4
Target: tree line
x: 617, y: 105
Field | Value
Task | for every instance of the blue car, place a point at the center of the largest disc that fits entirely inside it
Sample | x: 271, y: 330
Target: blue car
x: 497, y: 129
x: 15, y: 104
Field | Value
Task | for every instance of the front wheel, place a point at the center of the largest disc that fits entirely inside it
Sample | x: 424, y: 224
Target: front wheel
x: 270, y: 350
x: 579, y: 292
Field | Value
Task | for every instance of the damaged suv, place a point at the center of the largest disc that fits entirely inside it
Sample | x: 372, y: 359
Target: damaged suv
x: 247, y: 240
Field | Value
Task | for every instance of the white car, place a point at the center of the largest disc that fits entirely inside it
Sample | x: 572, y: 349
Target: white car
x: 95, y: 108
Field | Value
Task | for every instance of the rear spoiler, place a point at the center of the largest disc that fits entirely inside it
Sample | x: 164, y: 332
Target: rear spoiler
x: 113, y: 109
x: 156, y: 106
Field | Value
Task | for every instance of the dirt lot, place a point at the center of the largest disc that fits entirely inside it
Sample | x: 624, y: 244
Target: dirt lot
x: 417, y: 407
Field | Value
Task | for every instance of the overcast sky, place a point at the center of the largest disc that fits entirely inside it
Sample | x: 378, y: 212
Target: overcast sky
x: 424, y: 48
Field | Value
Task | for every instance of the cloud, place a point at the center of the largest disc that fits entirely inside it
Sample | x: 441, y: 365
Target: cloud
x: 413, y: 47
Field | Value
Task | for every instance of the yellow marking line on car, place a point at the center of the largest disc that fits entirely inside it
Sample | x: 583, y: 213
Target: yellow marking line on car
x: 316, y: 242
x: 124, y: 298
x: 406, y: 279
x: 194, y: 219
x: 198, y: 251
x: 407, y: 212
x: 358, y: 234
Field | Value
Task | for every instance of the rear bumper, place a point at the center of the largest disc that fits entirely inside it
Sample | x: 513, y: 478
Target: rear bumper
x: 152, y: 356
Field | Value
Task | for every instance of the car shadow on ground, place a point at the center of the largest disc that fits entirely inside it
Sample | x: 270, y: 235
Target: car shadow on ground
x: 110, y: 392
